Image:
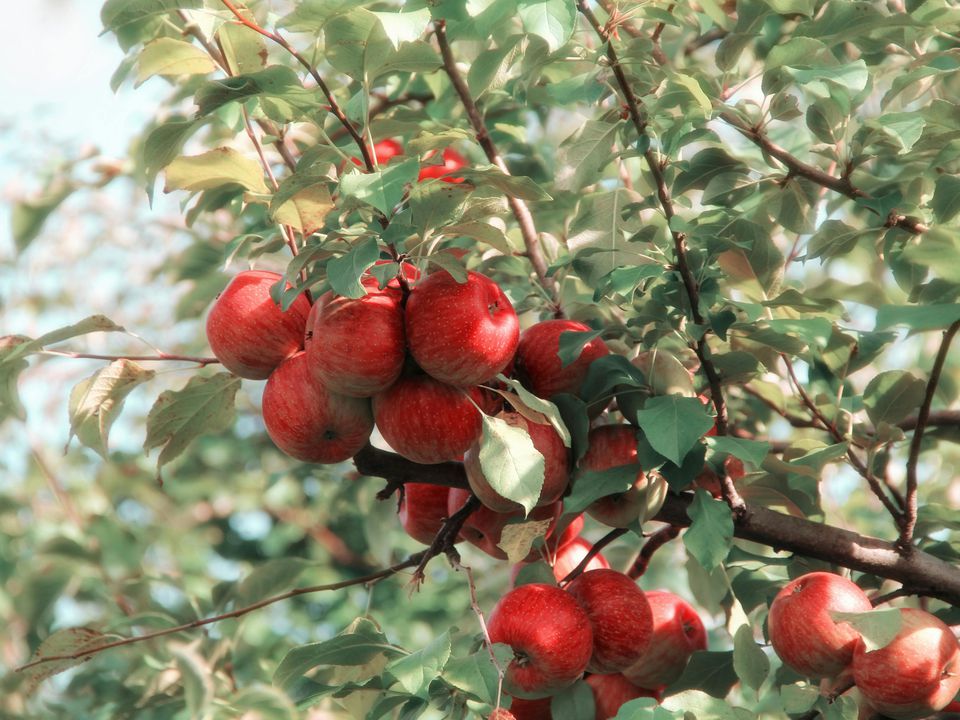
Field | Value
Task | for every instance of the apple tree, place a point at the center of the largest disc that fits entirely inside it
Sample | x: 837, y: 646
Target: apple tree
x: 522, y: 359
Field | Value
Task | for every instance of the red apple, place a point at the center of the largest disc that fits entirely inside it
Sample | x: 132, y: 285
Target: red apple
x: 710, y: 481
x: 484, y: 527
x: 802, y: 631
x: 248, y: 332
x: 423, y: 510
x: 556, y: 465
x: 531, y: 709
x: 383, y: 151
x: 428, y: 421
x: 569, y: 533
x: 461, y: 333
x: 678, y: 632
x: 550, y: 635
x: 612, y: 691
x: 620, y: 616
x: 572, y: 554
x: 360, y: 345
x: 452, y: 161
x: 916, y: 674
x: 611, y: 446
x: 307, y: 421
x: 538, y: 361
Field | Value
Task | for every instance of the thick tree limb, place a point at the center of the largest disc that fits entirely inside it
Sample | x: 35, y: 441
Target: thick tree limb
x: 923, y: 573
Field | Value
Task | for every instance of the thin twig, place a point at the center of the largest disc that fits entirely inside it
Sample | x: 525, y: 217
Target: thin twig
x: 412, y: 561
x: 831, y: 427
x: 592, y: 553
x: 161, y: 357
x: 795, y: 166
x: 487, y: 642
x: 518, y: 207
x: 892, y: 595
x: 331, y: 100
x: 656, y: 541
x: 910, y: 510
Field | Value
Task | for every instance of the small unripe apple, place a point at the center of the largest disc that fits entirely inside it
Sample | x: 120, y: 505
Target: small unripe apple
x: 801, y: 628
x: 550, y: 635
x: 916, y: 674
x: 423, y: 510
x: 428, y: 421
x: 461, y: 333
x: 307, y: 421
x: 360, y: 346
x: 556, y: 465
x: 248, y: 332
x: 612, y: 691
x: 538, y: 361
x: 678, y: 632
x: 620, y: 616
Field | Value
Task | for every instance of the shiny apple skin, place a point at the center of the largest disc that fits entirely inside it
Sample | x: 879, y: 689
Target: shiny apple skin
x: 423, y: 510
x: 538, y: 363
x: 678, y: 632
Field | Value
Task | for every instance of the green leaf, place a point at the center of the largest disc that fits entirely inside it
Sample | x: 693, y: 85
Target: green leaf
x: 402, y: 26
x: 97, y: 401
x: 710, y: 535
x: 751, y: 451
x: 62, y: 642
x: 585, y: 153
x: 344, y: 272
x: 166, y: 56
x: 918, y: 317
x: 204, y: 405
x: 481, y: 232
x: 20, y: 346
x: 524, y: 401
x: 357, y: 647
x: 116, y: 14
x: 893, y: 395
x: 164, y: 143
x: 749, y: 660
x: 598, y: 234
x: 268, y: 579
x: 595, y: 484
x: 196, y: 676
x: 834, y: 238
x: 703, y: 167
x: 244, y: 49
x: 382, y: 189
x: 798, y: 698
x: 28, y: 216
x: 356, y: 44
x: 553, y: 20
x: 416, y: 671
x: 711, y: 671
x: 904, y: 128
x: 674, y: 424
x: 700, y: 705
x: 946, y: 198
x: 476, y: 674
x: 572, y: 343
x: 573, y: 703
x: 220, y: 166
x: 276, y: 82
x: 691, y: 86
x: 510, y: 462
x: 516, y: 186
x: 876, y: 627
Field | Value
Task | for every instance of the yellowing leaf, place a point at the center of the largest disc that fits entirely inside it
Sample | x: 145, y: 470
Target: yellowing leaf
x: 220, y: 166
x: 167, y: 56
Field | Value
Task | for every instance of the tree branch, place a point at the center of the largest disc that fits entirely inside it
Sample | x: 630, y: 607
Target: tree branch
x: 925, y: 573
x: 840, y: 185
x: 910, y: 509
x: 331, y: 100
x: 412, y: 561
x: 518, y: 207
x: 656, y: 541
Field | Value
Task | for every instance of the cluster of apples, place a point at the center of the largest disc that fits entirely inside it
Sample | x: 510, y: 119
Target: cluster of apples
x: 630, y: 643
x: 917, y: 673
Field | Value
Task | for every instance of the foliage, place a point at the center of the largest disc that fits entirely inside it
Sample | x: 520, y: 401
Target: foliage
x: 756, y: 202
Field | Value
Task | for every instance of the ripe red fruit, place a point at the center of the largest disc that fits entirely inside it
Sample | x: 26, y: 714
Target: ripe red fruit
x: 678, y: 632
x: 423, y: 510
x: 612, y: 691
x: 531, y: 709
x: 611, y: 446
x: 556, y: 465
x: 359, y: 368
x: 802, y: 631
x: 620, y: 616
x: 383, y: 151
x: 307, y: 421
x: 428, y: 421
x: 484, y: 527
x: 452, y: 161
x: 248, y: 332
x: 570, y: 533
x: 550, y: 635
x: 461, y: 333
x: 572, y: 554
x: 538, y: 361
x: 916, y: 674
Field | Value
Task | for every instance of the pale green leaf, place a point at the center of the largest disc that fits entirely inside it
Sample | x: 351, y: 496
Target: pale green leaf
x: 510, y: 462
x: 167, y: 56
x: 710, y: 535
x: 214, y: 168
